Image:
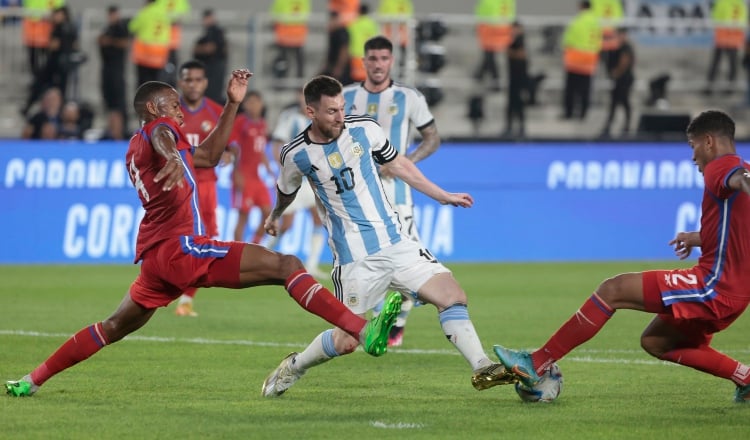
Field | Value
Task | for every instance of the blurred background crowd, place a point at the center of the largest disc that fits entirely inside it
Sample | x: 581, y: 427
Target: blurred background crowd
x: 506, y: 70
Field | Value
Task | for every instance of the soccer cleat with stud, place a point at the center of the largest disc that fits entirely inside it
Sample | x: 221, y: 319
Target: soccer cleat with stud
x: 282, y: 378
x: 20, y: 388
x: 185, y: 309
x: 396, y: 336
x: 375, y: 336
x: 742, y: 394
x: 519, y: 363
x: 493, y: 375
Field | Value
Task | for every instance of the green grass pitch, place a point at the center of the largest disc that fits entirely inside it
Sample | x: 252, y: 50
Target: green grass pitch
x: 196, y: 378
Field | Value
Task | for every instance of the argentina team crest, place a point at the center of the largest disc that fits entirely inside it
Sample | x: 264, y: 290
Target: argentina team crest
x: 352, y: 300
x: 335, y: 160
x: 358, y: 150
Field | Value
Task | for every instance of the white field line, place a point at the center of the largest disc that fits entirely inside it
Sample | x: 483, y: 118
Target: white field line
x: 580, y: 355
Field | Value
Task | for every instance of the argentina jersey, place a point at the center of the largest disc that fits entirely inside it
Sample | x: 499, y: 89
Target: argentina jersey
x: 291, y: 123
x: 343, y: 173
x: 397, y: 109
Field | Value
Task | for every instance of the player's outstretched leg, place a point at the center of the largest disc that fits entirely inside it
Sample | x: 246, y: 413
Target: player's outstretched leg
x: 519, y: 363
x: 375, y: 335
x: 24, y: 387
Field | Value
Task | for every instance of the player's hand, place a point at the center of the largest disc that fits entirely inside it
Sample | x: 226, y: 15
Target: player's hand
x: 271, y: 226
x: 458, y: 199
x: 683, y: 245
x: 172, y: 174
x: 238, y: 85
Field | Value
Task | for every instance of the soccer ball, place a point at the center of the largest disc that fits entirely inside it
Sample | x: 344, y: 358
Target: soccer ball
x: 546, y: 390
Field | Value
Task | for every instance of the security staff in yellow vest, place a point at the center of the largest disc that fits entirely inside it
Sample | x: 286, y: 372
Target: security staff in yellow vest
x: 37, y: 28
x: 360, y: 30
x: 178, y: 11
x: 582, y: 42
x: 151, y: 31
x: 394, y: 15
x: 730, y: 21
x: 494, y: 32
x: 290, y: 32
x: 610, y: 12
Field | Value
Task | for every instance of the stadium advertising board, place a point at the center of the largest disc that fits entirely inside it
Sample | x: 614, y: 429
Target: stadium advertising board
x: 73, y: 203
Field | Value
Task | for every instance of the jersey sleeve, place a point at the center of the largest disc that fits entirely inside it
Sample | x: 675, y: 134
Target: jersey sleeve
x: 290, y: 176
x: 717, y: 172
x: 382, y: 150
x: 180, y: 139
x: 420, y: 113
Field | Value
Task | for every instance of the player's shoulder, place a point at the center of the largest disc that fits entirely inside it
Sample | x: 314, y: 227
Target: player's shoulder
x: 359, y: 120
x: 299, y: 142
x: 407, y: 89
x: 353, y: 87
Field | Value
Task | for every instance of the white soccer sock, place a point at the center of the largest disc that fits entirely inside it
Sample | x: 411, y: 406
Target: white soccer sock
x: 270, y: 242
x: 406, y: 306
x: 460, y: 331
x: 320, y: 350
x: 317, y: 239
x: 184, y: 299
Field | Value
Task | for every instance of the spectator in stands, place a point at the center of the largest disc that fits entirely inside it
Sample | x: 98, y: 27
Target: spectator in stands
x: 177, y: 11
x: 70, y: 122
x: 494, y: 18
x: 113, y: 46
x: 620, y: 64
x: 150, y: 52
x: 729, y: 19
x: 44, y: 124
x: 290, y: 33
x: 360, y: 30
x: 63, y: 43
x: 582, y: 42
x: 212, y: 50
x: 337, y: 59
x: 610, y: 13
x: 394, y: 15
x: 518, y: 82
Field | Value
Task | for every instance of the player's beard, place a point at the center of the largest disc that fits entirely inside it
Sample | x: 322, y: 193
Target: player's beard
x: 331, y: 132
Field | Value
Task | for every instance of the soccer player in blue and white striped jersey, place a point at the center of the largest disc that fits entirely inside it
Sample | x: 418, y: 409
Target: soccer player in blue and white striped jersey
x: 338, y: 156
x: 398, y: 109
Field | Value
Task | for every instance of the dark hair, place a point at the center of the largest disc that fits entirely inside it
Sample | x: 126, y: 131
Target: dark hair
x: 146, y: 93
x: 208, y: 12
x: 585, y: 4
x: 112, y: 9
x: 712, y: 121
x: 192, y: 64
x: 378, y: 43
x: 319, y: 86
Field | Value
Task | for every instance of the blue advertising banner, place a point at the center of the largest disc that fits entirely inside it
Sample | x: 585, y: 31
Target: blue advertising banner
x: 73, y: 203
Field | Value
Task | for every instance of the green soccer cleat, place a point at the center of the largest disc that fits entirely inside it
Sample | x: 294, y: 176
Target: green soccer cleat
x: 20, y: 388
x: 519, y: 363
x: 493, y: 375
x: 375, y: 335
x: 742, y: 394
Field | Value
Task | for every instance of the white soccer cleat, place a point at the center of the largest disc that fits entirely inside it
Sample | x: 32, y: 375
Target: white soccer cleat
x: 282, y: 378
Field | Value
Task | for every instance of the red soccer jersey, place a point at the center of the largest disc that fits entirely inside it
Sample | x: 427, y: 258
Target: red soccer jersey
x: 725, y: 232
x: 251, y: 137
x: 197, y: 125
x: 168, y: 213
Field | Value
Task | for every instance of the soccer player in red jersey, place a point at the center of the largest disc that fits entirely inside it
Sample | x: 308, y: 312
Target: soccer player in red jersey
x: 690, y: 304
x: 172, y: 246
x: 200, y: 117
x: 248, y: 189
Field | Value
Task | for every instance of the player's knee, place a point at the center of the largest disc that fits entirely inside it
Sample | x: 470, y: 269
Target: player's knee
x: 610, y: 291
x: 653, y: 346
x: 288, y: 264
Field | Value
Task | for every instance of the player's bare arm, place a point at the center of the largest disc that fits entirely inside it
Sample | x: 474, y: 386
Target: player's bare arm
x: 282, y: 202
x: 684, y: 243
x: 211, y: 149
x: 430, y: 143
x: 740, y: 181
x: 165, y: 145
x: 405, y: 169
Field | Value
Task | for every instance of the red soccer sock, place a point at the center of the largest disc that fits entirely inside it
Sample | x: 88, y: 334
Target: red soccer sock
x: 708, y: 360
x: 318, y: 300
x: 76, y: 349
x: 581, y: 327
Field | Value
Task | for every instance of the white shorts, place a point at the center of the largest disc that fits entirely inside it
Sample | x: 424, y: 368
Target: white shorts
x: 305, y: 199
x: 403, y: 267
